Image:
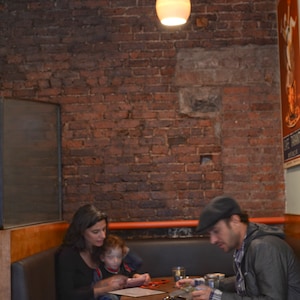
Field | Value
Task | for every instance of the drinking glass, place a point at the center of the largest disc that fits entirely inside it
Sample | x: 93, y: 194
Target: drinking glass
x: 178, y: 273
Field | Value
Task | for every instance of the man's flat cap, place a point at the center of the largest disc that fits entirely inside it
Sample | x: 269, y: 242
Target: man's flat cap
x: 221, y: 207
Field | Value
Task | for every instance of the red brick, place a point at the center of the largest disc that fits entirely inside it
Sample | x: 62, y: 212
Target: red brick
x: 117, y: 76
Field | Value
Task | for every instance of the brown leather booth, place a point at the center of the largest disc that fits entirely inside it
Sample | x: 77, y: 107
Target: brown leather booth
x: 33, y: 278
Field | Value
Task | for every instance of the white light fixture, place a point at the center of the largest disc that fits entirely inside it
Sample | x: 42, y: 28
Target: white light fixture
x: 173, y: 12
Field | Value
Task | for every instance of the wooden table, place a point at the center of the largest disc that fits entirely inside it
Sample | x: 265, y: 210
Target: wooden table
x: 165, y: 284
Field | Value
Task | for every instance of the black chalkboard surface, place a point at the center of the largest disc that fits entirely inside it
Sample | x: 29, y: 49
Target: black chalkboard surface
x: 30, y: 163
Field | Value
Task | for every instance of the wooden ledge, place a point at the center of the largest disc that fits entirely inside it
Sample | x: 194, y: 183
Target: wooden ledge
x: 29, y: 240
x: 181, y: 223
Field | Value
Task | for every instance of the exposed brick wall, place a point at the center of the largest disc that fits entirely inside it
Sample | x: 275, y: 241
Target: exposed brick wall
x: 129, y: 144
x: 236, y: 89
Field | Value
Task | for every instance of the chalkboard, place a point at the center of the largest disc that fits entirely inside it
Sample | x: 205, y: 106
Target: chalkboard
x: 30, y: 163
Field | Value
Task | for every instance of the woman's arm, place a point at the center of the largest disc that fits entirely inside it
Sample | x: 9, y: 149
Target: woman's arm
x: 115, y: 282
x: 73, y: 276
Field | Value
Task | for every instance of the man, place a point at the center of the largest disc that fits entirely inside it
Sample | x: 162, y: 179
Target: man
x: 264, y: 264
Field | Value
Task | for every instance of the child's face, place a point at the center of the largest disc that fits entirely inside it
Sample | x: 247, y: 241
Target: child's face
x: 113, y: 258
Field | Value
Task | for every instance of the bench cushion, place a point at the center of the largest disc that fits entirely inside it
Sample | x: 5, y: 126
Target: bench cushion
x: 33, y: 277
x: 197, y: 255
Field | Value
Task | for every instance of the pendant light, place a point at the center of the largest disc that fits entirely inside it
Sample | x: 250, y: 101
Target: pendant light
x: 173, y: 12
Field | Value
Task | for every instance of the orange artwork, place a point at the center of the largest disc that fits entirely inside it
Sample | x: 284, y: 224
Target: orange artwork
x: 288, y: 35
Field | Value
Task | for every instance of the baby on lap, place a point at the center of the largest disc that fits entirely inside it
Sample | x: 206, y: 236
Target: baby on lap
x: 115, y: 259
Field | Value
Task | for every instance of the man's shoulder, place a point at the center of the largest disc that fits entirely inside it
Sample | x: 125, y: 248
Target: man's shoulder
x: 268, y: 242
x: 260, y: 230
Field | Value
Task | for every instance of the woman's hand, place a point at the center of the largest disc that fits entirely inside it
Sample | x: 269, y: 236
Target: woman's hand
x: 115, y: 282
x: 183, y: 282
x: 145, y: 276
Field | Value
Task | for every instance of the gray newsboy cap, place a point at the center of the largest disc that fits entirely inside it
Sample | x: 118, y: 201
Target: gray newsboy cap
x: 219, y: 208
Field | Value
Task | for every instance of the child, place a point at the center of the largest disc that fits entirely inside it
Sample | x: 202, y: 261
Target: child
x: 116, y: 259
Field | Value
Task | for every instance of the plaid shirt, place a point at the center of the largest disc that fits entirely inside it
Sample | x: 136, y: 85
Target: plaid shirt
x: 240, y: 282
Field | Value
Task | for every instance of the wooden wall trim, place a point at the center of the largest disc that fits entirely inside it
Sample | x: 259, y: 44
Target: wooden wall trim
x: 181, y: 223
x: 29, y: 240
x: 5, y: 290
x: 292, y: 225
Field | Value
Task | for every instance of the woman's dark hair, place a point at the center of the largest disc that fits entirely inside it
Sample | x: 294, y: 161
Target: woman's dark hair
x: 85, y: 217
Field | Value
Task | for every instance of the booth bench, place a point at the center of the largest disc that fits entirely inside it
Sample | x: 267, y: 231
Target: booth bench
x: 33, y: 278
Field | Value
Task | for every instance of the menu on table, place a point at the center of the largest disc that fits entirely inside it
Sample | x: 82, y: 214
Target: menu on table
x: 136, y: 292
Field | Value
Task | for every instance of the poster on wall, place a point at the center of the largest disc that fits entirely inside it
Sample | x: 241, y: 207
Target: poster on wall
x: 288, y: 36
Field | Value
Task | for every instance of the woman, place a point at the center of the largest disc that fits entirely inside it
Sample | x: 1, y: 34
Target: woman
x: 78, y: 255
